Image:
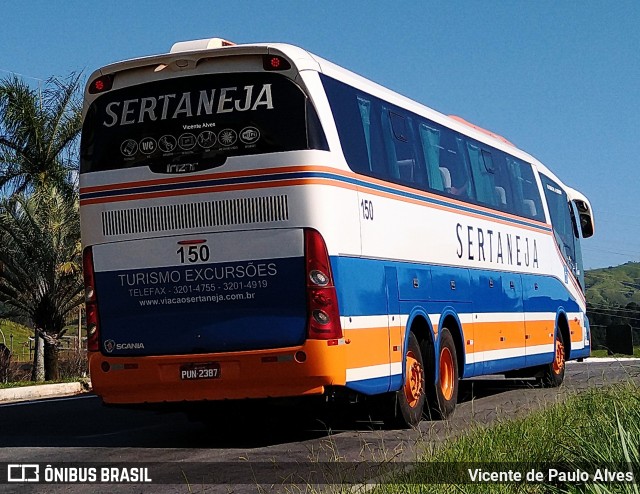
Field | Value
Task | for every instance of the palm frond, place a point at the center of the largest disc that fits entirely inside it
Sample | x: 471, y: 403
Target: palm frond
x: 40, y: 276
x: 39, y: 134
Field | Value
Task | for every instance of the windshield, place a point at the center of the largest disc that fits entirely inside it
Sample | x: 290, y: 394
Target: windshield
x: 564, y: 224
x: 194, y: 123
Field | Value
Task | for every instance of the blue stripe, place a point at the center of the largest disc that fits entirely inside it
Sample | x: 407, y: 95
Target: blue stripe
x: 505, y: 364
x: 306, y: 174
x: 362, y: 289
x: 364, y: 286
x: 374, y: 385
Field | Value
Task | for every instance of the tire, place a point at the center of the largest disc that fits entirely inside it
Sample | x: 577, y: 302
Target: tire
x: 407, y: 404
x: 553, y: 373
x: 442, y: 395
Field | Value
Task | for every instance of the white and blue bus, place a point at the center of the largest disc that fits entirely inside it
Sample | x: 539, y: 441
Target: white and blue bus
x: 259, y: 222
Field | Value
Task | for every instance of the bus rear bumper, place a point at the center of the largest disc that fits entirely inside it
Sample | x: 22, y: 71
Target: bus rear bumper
x: 283, y: 372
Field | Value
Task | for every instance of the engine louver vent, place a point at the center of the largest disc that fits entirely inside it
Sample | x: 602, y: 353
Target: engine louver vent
x: 242, y: 211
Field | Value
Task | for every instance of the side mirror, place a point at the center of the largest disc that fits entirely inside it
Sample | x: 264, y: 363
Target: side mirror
x: 583, y: 206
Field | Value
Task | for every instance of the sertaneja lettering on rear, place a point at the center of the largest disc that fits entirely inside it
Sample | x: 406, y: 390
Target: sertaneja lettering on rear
x: 187, y: 104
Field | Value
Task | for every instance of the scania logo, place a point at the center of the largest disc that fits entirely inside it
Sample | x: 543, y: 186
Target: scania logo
x: 109, y: 345
x: 249, y: 135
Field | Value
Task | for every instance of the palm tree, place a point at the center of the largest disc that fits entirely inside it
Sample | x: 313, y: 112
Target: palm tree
x: 40, y: 276
x: 41, y: 264
x: 39, y: 130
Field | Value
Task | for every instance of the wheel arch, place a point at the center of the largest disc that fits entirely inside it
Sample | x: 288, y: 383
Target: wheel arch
x: 451, y: 321
x: 419, y: 324
x: 562, y: 324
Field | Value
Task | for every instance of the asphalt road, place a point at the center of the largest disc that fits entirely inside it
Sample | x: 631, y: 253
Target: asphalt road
x: 261, y: 444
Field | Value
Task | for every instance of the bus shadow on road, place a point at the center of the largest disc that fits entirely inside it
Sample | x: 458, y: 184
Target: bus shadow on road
x: 477, y: 388
x: 247, y: 424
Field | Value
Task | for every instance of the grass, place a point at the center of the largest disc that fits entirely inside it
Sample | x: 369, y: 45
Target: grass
x: 603, y: 353
x: 20, y: 334
x: 595, y: 430
x: 20, y: 384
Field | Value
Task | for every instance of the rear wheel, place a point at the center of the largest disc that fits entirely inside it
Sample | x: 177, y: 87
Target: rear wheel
x: 409, y: 400
x: 553, y: 374
x: 442, y: 395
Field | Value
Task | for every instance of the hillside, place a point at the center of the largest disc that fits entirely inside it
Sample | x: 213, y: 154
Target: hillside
x: 613, y: 298
x: 20, y: 334
x: 617, y: 286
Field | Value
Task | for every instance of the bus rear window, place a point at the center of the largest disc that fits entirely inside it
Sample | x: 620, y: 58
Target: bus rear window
x: 195, y: 123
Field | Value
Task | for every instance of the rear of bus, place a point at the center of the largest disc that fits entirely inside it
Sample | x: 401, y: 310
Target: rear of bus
x: 206, y: 275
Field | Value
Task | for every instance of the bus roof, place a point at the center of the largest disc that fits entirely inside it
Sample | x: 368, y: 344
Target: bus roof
x: 190, y: 52
x: 194, y: 50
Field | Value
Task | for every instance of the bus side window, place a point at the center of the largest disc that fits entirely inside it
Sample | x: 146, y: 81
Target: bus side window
x: 503, y: 189
x: 364, y: 105
x: 482, y: 171
x: 430, y: 140
x: 369, y: 110
x: 398, y: 138
x: 454, y: 166
x: 351, y: 115
x: 526, y: 194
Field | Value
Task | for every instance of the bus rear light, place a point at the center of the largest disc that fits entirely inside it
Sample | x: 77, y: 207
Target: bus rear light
x: 322, y: 300
x: 89, y: 294
x: 318, y: 278
x: 321, y: 317
x: 274, y: 62
x: 93, y: 332
x: 101, y: 84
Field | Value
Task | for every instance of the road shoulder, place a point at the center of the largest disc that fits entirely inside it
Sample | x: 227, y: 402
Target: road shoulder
x: 41, y: 391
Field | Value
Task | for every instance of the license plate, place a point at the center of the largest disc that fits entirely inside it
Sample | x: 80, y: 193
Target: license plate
x: 191, y: 372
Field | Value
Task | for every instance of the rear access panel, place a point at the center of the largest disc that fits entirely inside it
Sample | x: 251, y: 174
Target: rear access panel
x: 219, y: 292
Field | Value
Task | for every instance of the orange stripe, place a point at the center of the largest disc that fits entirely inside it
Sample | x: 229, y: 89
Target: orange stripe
x: 576, y: 330
x: 487, y: 336
x: 540, y: 332
x: 258, y: 172
x: 289, y: 169
x: 215, y: 188
x: 368, y: 346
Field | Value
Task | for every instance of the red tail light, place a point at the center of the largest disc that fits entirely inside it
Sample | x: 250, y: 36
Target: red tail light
x: 93, y: 330
x: 322, y: 300
x: 101, y: 84
x: 274, y: 62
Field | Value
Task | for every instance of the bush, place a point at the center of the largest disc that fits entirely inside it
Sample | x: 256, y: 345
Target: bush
x: 72, y: 364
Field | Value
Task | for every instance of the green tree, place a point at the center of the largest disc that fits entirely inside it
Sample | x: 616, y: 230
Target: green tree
x: 39, y: 131
x: 41, y: 264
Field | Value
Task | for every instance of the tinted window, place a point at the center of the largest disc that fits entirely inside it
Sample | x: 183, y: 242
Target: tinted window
x: 400, y: 147
x: 384, y: 141
x: 560, y: 212
x: 195, y: 123
x: 526, y: 195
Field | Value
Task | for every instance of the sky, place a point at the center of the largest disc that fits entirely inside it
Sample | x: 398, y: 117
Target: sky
x: 559, y: 79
